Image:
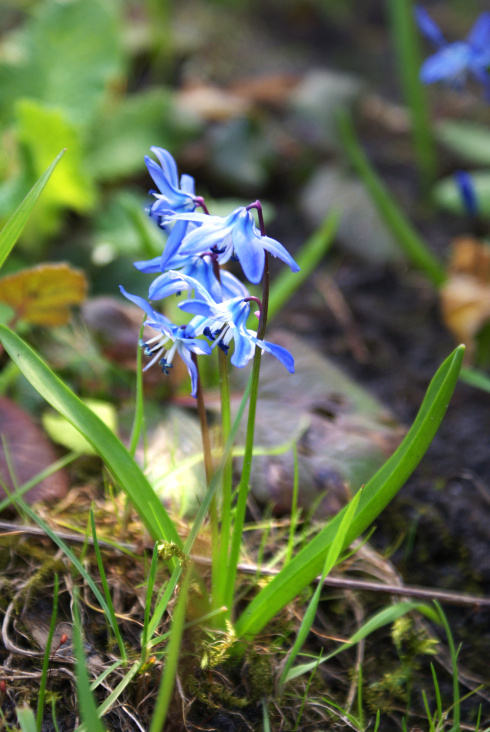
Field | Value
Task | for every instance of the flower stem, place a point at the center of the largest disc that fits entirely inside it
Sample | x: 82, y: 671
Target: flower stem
x: 243, y: 487
x: 208, y: 467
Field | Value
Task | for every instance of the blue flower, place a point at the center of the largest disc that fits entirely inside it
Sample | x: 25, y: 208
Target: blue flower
x: 453, y: 61
x: 197, y: 267
x: 235, y: 234
x: 180, y: 341
x: 223, y: 322
x: 172, y: 197
x: 467, y: 192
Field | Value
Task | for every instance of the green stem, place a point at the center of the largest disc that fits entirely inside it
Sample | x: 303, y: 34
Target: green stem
x: 407, y: 47
x: 219, y: 590
x: 243, y: 488
x: 208, y: 467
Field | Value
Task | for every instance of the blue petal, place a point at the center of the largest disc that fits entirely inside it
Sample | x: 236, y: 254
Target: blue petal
x: 277, y: 250
x: 197, y: 307
x: 479, y: 36
x: 192, y: 285
x: 140, y: 302
x: 169, y: 166
x: 467, y: 191
x: 231, y: 286
x: 187, y: 184
x: 173, y: 244
x: 429, y: 27
x: 448, y: 63
x: 186, y: 357
x: 249, y: 248
x: 244, y: 350
x: 164, y: 286
x: 149, y: 266
x: 279, y: 352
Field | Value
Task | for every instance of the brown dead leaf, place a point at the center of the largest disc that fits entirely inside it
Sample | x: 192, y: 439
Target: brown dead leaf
x: 269, y: 90
x: 465, y: 297
x: 43, y: 295
x: 27, y: 450
x: 210, y: 103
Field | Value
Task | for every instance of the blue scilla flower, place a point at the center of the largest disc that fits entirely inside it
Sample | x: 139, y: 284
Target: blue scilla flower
x: 172, y: 198
x: 467, y: 192
x: 453, y: 61
x: 176, y: 335
x: 234, y: 235
x: 223, y: 322
x: 202, y: 270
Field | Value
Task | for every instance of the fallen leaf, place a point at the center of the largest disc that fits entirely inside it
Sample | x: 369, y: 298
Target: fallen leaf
x: 28, y: 451
x: 210, y: 103
x: 269, y: 90
x: 465, y: 296
x: 43, y: 295
x: 62, y: 432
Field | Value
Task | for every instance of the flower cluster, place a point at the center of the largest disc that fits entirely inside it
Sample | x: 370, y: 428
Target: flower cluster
x: 453, y: 61
x: 197, y: 244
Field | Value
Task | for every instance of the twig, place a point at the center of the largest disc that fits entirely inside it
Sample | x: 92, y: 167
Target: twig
x: 427, y: 593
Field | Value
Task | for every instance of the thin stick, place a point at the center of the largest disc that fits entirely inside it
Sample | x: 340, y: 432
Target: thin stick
x: 429, y: 593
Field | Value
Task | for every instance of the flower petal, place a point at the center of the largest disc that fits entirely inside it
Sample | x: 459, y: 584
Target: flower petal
x: 448, y: 63
x: 279, y: 352
x: 479, y: 35
x: 186, y: 357
x: 429, y: 27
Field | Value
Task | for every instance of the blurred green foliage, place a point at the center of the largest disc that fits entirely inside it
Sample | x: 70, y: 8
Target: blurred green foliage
x: 66, y: 68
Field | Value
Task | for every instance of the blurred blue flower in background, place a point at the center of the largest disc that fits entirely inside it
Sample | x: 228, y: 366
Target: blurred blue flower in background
x: 453, y: 61
x: 467, y: 192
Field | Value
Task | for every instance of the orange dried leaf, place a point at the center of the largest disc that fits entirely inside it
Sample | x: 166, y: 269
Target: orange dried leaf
x: 465, y: 296
x: 43, y: 295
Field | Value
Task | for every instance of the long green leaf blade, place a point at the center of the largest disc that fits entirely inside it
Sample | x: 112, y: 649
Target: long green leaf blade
x: 395, y: 219
x: 127, y: 473
x: 14, y: 226
x: 378, y: 492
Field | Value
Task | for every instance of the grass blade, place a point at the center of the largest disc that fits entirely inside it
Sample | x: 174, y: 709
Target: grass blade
x: 86, y: 702
x: 127, y: 473
x: 413, y: 245
x: 406, y: 44
x: 384, y: 617
x: 376, y: 495
x: 14, y: 226
x: 172, y: 657
x: 26, y: 718
x: 332, y: 556
x: 107, y: 593
x: 47, y: 655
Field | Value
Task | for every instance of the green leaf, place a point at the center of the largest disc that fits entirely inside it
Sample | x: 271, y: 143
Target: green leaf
x: 65, y: 55
x: 395, y: 219
x: 86, y: 701
x: 473, y: 377
x: 127, y: 130
x: 26, y: 718
x: 62, y: 432
x: 378, y: 492
x: 384, y: 617
x: 469, y: 140
x: 42, y: 130
x: 106, y: 444
x: 14, y: 226
x: 448, y: 196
